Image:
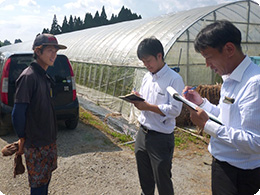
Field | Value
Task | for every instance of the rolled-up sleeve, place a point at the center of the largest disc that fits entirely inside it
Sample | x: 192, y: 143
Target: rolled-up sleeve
x: 172, y: 108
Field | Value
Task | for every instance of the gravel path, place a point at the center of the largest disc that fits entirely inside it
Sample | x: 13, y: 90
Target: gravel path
x: 90, y: 163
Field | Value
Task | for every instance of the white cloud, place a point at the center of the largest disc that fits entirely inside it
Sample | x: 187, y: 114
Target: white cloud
x: 7, y: 8
x: 1, y: 1
x: 20, y: 28
x: 54, y: 10
x: 79, y: 4
x: 81, y: 7
x: 27, y: 3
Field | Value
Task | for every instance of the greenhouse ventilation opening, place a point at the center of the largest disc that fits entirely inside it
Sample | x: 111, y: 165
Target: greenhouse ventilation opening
x: 106, y: 65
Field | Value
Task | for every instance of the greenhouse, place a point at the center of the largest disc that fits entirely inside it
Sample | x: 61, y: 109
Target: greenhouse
x: 106, y: 65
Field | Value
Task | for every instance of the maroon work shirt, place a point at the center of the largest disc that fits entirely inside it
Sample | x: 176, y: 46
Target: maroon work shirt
x: 34, y: 87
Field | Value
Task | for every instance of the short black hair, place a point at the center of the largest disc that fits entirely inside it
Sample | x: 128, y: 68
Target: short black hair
x: 150, y: 46
x: 216, y: 35
x: 35, y: 56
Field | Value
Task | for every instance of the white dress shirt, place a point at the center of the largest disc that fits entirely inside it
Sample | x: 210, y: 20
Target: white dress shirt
x: 238, y: 140
x: 153, y: 90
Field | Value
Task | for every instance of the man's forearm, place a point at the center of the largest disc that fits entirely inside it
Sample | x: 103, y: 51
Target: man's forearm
x: 19, y: 118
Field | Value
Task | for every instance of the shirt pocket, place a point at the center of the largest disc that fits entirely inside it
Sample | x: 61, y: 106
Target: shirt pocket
x: 225, y: 113
x: 161, y: 97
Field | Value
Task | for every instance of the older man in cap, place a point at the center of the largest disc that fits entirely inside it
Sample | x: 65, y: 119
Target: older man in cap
x: 33, y: 115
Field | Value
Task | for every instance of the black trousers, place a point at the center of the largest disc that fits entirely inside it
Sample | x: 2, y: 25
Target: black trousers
x: 154, y: 152
x: 230, y: 180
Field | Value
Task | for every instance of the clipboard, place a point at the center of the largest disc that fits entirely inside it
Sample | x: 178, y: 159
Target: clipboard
x: 178, y: 97
x: 131, y: 97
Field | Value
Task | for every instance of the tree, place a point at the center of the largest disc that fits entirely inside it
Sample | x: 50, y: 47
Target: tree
x: 65, y: 26
x: 126, y: 15
x: 71, y: 24
x: 45, y: 30
x: 17, y: 41
x: 96, y: 20
x: 55, y: 27
x: 103, y: 17
x: 88, y: 21
x: 78, y: 24
x: 113, y: 19
x: 6, y: 42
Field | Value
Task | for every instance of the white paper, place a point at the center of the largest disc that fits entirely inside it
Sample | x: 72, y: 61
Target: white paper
x: 178, y: 97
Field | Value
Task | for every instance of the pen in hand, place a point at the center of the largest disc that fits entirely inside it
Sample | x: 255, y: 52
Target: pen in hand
x: 135, y: 92
x: 193, y: 88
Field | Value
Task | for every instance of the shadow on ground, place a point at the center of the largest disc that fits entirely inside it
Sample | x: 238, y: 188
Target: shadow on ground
x: 83, y: 139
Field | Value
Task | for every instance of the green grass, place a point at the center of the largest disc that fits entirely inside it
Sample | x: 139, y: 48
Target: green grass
x: 183, y: 140
x: 90, y: 119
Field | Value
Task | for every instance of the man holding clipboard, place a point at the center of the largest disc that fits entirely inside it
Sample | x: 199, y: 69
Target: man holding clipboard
x: 235, y: 145
x: 154, y: 144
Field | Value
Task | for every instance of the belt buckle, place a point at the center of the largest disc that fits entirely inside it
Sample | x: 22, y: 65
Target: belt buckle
x: 145, y: 130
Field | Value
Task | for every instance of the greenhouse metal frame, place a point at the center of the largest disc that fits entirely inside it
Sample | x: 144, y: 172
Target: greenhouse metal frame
x: 106, y: 65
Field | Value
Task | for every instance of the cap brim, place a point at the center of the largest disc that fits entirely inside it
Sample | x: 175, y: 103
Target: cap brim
x: 57, y: 45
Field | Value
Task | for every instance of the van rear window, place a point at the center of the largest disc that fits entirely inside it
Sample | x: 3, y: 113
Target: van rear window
x: 60, y: 72
x: 18, y: 64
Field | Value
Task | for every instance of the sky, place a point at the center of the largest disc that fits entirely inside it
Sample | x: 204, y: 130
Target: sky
x: 24, y: 19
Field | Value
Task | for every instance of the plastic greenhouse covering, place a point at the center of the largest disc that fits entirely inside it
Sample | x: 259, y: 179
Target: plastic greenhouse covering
x: 106, y: 65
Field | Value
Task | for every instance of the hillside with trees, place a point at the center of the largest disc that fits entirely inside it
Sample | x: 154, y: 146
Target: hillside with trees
x: 76, y: 23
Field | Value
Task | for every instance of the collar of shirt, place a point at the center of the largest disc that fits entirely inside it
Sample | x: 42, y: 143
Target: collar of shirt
x: 237, y: 74
x: 160, y: 73
x: 38, y: 68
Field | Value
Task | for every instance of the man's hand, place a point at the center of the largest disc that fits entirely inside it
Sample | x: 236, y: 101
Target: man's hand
x: 20, y: 146
x: 144, y: 105
x: 141, y: 105
x: 198, y: 117
x: 192, y: 95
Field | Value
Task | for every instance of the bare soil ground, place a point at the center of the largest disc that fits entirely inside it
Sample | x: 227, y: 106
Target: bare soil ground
x: 91, y: 163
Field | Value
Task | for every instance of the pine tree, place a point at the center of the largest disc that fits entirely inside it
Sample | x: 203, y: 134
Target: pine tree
x: 88, y: 21
x: 65, y: 26
x: 78, y: 24
x: 103, y: 17
x: 17, y: 41
x: 126, y: 15
x: 55, y: 27
x: 71, y: 24
x: 113, y: 19
x: 96, y: 20
x: 6, y: 42
x: 46, y: 30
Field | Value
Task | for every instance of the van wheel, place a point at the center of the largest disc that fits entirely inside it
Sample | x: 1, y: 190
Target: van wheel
x: 72, y: 123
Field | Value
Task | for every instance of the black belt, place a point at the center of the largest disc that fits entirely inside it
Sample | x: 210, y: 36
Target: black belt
x: 146, y: 130
x: 221, y: 162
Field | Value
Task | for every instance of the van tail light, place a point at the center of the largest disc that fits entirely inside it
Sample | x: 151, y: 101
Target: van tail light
x: 73, y: 82
x: 4, y: 82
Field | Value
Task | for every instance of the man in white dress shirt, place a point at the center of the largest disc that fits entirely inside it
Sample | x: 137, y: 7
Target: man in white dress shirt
x: 155, y: 140
x: 235, y: 145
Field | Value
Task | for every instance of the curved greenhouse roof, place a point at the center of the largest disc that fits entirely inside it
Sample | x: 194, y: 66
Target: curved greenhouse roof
x: 117, y: 44
x: 105, y: 62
